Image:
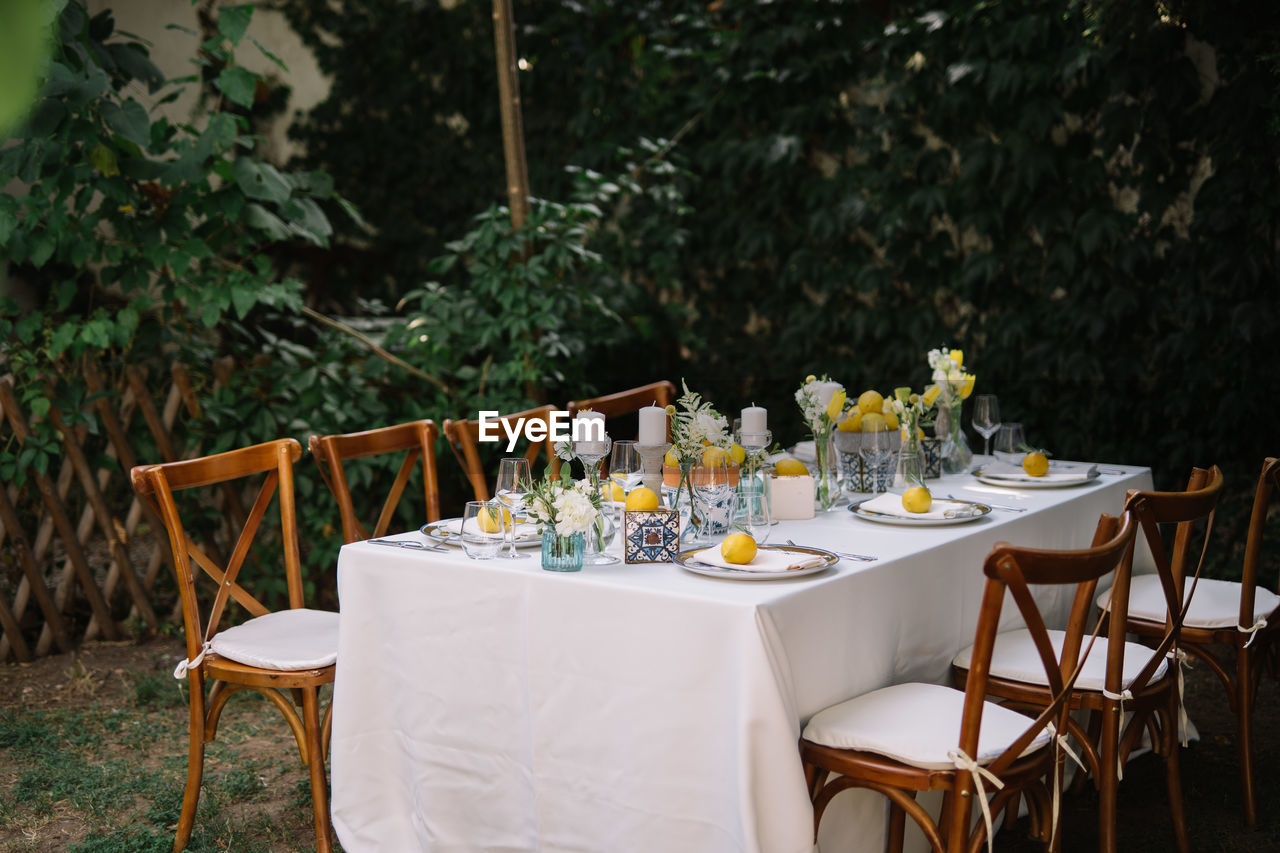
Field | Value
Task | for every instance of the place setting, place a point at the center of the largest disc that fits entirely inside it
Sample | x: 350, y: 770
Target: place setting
x: 1016, y: 464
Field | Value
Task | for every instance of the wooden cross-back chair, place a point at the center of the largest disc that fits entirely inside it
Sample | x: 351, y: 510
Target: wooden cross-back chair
x: 908, y: 738
x: 292, y: 650
x: 629, y: 401
x: 1228, y: 615
x: 417, y: 439
x: 464, y: 437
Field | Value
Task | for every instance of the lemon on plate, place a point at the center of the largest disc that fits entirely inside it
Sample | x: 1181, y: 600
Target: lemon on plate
x: 738, y: 548
x: 917, y: 499
x: 1036, y: 464
x: 789, y: 466
x: 643, y: 499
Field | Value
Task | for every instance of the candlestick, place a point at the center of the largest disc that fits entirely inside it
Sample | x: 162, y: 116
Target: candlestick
x: 653, y: 426
x: 594, y: 440
x: 754, y: 419
x: 651, y: 461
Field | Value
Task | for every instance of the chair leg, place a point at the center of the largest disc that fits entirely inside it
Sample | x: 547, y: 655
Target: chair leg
x: 1244, y: 731
x: 1173, y: 775
x: 315, y: 763
x: 195, y: 761
x: 1108, y: 781
x: 897, y: 828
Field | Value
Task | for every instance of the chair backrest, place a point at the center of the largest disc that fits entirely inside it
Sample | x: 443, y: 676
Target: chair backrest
x: 1013, y: 570
x: 1188, y: 510
x: 156, y: 484
x: 628, y: 402
x: 417, y: 439
x: 1268, y: 482
x: 464, y: 437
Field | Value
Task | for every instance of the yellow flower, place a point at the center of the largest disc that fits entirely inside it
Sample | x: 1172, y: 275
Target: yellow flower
x: 931, y: 394
x: 670, y: 410
x: 957, y: 356
x: 810, y: 378
x: 967, y: 388
x: 836, y: 404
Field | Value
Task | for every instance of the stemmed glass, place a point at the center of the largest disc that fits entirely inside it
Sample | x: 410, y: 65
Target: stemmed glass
x: 986, y: 419
x: 624, y: 466
x: 875, y: 450
x: 514, y: 483
x: 591, y: 452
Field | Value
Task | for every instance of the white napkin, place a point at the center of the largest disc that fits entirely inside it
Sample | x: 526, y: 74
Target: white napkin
x: 891, y: 504
x: 764, y: 560
x: 523, y: 529
x: 1059, y: 472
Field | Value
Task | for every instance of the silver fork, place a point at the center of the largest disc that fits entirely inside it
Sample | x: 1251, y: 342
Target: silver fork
x: 863, y: 557
x: 407, y: 543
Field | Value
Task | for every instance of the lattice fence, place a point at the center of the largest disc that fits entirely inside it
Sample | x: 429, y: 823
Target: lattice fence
x: 80, y: 556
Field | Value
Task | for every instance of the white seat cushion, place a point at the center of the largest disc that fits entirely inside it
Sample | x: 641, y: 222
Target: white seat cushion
x: 1216, y: 603
x: 287, y: 640
x: 917, y: 724
x: 1015, y: 658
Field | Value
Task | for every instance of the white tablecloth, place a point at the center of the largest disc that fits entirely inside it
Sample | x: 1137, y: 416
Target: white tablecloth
x: 493, y: 706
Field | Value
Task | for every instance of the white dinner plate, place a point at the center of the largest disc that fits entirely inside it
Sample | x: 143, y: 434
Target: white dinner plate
x: 1032, y: 483
x: 438, y: 531
x: 903, y: 521
x: 688, y: 560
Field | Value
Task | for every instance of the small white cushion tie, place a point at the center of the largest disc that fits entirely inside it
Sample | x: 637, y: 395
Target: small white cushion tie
x: 1061, y: 743
x: 1121, y: 697
x: 184, y: 666
x: 1181, y: 657
x: 1252, y: 631
x: 963, y: 762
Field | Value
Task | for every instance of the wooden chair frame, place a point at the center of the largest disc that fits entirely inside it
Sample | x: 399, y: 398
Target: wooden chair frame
x: 1009, y: 570
x: 416, y: 438
x: 464, y: 435
x: 1253, y: 650
x: 626, y: 402
x: 156, y: 485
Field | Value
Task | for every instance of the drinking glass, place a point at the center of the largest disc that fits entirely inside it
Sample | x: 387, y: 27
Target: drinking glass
x: 876, y: 450
x: 1010, y: 439
x: 477, y: 542
x: 986, y: 419
x: 624, y: 466
x: 714, y: 497
x: 755, y: 518
x: 514, y: 483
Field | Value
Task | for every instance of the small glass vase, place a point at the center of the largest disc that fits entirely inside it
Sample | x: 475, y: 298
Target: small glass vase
x: 826, y: 490
x: 562, y: 553
x: 956, y: 455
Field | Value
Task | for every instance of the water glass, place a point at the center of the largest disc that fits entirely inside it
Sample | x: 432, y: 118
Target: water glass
x: 514, y: 482
x: 483, y: 529
x: 624, y: 466
x: 715, y: 495
x: 986, y: 419
x: 877, y: 452
x: 1010, y: 439
x: 754, y: 517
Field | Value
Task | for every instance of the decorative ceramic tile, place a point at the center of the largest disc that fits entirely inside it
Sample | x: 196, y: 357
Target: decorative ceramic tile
x: 651, y: 536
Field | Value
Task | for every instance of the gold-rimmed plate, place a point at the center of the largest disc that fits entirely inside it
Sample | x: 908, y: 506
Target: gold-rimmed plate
x: 446, y: 532
x: 799, y: 554
x: 980, y: 511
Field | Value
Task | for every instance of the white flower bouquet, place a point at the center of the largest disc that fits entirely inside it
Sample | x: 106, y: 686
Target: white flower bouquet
x: 563, y: 505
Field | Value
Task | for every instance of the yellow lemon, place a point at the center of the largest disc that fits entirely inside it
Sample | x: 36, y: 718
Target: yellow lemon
x: 738, y: 548
x: 789, y: 466
x: 874, y: 422
x: 931, y: 394
x: 870, y: 402
x: 957, y: 356
x: 891, y: 420
x: 738, y: 453
x: 715, y: 456
x: 917, y: 499
x: 853, y: 423
x: 1035, y: 464
x: 671, y: 460
x: 489, y: 523
x: 612, y: 492
x: 836, y: 404
x: 642, y: 499
x: 967, y: 388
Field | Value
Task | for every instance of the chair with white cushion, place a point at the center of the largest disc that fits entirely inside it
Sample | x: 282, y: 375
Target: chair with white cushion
x: 1239, y: 616
x: 908, y: 738
x: 291, y: 650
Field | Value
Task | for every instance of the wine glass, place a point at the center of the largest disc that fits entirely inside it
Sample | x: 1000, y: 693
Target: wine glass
x: 986, y: 419
x: 514, y: 483
x: 875, y: 450
x: 713, y: 496
x: 624, y: 466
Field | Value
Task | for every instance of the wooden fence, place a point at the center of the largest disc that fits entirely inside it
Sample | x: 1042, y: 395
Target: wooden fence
x: 76, y: 559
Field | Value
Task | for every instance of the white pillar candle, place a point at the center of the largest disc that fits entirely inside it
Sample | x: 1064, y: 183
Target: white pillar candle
x: 588, y: 437
x: 754, y: 420
x: 653, y: 426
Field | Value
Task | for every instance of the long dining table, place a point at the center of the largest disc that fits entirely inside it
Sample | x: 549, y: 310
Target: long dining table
x: 493, y: 706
